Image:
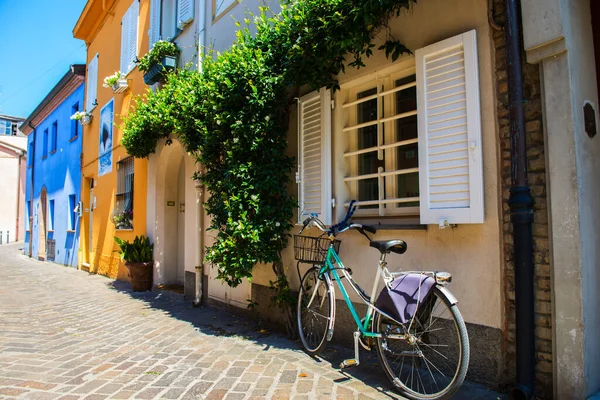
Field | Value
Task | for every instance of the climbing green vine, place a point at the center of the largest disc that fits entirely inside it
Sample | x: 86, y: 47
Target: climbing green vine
x: 232, y: 115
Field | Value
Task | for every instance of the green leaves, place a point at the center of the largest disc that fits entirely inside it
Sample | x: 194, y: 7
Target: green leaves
x: 232, y: 116
x: 160, y: 49
x: 138, y: 251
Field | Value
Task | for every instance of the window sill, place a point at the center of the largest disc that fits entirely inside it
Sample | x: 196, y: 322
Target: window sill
x: 391, y: 224
x: 29, y: 166
x: 44, y: 157
x: 124, y: 230
x: 74, y: 138
x: 50, y: 231
x: 52, y: 152
x: 70, y: 231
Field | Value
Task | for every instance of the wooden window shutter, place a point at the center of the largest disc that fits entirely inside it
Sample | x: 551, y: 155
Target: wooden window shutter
x: 450, y: 158
x: 185, y: 12
x: 92, y: 84
x: 314, y: 156
x: 124, y: 64
x: 154, y: 32
x: 134, y: 11
x: 129, y: 28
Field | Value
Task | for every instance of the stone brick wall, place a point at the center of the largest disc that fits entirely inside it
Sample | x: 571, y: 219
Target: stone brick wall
x: 537, y: 181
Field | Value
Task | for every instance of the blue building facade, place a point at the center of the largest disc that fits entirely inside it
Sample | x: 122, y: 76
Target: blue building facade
x: 54, y: 172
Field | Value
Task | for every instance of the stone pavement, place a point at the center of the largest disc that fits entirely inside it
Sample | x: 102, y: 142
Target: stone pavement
x: 65, y: 334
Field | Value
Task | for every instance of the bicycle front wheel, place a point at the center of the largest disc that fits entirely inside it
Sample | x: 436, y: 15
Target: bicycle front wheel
x: 428, y: 358
x: 315, y: 311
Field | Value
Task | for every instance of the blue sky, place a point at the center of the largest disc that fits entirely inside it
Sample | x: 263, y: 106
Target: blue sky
x: 36, y: 49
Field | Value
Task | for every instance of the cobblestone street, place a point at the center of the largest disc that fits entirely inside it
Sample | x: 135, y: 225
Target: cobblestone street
x: 65, y: 334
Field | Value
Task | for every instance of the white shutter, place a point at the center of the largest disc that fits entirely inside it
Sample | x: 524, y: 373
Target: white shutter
x: 450, y: 161
x: 92, y: 84
x: 124, y: 65
x: 134, y: 12
x: 314, y: 155
x: 154, y: 32
x: 129, y: 42
x: 185, y: 12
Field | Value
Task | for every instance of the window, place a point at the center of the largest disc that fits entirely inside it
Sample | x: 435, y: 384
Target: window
x: 51, y: 215
x: 123, y: 212
x: 72, y: 214
x: 28, y: 217
x: 45, y: 144
x: 5, y: 127
x: 407, y: 140
x: 91, y: 86
x: 54, y: 137
x: 129, y: 37
x: 381, y: 138
x: 74, y: 123
x: 168, y: 18
x: 222, y: 7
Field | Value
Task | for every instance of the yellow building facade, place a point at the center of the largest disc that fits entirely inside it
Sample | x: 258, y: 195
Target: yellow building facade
x: 113, y: 184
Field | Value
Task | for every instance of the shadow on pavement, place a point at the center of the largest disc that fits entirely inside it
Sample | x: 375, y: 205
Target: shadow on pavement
x: 217, y: 321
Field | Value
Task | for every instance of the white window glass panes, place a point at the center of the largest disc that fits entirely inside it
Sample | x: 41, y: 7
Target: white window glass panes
x: 382, y: 165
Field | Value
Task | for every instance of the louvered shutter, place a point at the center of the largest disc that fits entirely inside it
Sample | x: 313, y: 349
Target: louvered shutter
x: 134, y: 12
x: 129, y: 28
x: 185, y: 12
x: 124, y: 65
x: 450, y: 161
x: 92, y: 84
x: 154, y: 32
x: 314, y: 156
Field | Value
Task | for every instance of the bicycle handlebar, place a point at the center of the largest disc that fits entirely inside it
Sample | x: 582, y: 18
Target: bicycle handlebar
x: 340, y: 227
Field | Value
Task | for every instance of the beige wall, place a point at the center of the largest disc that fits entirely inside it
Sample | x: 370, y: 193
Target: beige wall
x: 12, y: 191
x: 472, y: 253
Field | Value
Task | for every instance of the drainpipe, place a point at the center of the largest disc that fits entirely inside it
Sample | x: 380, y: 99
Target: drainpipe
x: 199, y: 238
x: 20, y: 154
x: 32, y: 155
x: 521, y: 207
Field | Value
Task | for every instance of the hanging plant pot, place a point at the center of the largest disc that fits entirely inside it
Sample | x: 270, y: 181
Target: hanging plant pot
x: 120, y: 86
x: 157, y: 72
x: 85, y: 120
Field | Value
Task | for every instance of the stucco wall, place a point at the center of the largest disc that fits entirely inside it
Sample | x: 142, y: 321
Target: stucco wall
x: 470, y: 252
x: 8, y: 187
x: 103, y: 257
x: 60, y: 174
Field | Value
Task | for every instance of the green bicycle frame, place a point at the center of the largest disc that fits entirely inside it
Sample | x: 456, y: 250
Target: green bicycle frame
x: 329, y: 266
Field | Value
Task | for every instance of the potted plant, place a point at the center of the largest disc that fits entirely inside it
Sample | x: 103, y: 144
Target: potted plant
x: 122, y: 219
x: 137, y: 256
x: 158, y: 61
x: 83, y: 117
x: 117, y: 82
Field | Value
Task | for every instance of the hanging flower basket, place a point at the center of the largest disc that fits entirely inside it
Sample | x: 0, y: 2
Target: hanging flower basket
x: 83, y: 117
x: 158, y: 71
x: 120, y: 86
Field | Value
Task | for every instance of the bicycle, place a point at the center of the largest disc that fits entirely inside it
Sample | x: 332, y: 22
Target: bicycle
x: 422, y: 347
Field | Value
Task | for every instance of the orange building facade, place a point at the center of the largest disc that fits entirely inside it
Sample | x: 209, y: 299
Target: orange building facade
x: 113, y: 183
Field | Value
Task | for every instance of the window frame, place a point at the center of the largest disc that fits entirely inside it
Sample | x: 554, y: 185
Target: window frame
x: 74, y: 124
x: 72, y: 199
x: 45, y: 145
x: 346, y: 116
x: 51, y: 211
x: 54, y: 137
x: 217, y: 16
x: 121, y: 186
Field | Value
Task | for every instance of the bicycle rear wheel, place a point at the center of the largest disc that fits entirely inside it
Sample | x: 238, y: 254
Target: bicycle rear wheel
x: 432, y: 361
x: 315, y: 310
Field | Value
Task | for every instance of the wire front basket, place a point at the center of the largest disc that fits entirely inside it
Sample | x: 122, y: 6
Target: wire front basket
x: 313, y: 250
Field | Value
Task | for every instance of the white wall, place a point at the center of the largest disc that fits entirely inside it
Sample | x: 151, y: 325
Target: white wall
x: 9, y: 171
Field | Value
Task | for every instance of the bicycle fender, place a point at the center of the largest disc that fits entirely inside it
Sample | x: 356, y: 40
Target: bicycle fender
x: 448, y: 294
x: 332, y: 320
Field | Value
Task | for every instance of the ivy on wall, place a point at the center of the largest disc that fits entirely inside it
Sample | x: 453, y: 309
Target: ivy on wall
x: 232, y: 116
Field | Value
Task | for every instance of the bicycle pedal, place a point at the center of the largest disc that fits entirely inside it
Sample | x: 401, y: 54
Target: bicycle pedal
x: 348, y: 363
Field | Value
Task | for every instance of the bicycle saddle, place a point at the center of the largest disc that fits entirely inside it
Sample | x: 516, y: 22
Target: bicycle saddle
x: 387, y: 246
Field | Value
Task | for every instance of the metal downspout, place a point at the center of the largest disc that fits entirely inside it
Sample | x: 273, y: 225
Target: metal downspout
x: 32, y: 190
x: 521, y: 207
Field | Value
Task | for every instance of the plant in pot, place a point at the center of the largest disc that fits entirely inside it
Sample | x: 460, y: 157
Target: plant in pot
x: 137, y: 256
x: 116, y: 81
x: 82, y: 117
x: 158, y: 61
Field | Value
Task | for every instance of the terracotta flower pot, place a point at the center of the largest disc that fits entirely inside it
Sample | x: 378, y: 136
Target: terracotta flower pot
x: 141, y: 276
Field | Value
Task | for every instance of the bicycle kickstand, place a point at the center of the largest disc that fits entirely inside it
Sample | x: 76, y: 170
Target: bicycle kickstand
x: 353, y: 362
